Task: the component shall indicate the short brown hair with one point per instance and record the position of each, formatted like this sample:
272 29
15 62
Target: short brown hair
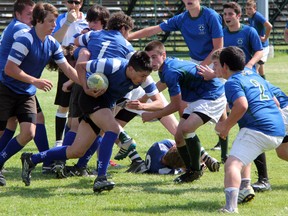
119 20
41 10
155 45
173 159
233 5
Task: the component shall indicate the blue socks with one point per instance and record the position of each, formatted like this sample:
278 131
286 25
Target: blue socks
53 154
5 138
11 149
105 152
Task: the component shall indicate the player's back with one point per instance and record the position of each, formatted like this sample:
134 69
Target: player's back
107 44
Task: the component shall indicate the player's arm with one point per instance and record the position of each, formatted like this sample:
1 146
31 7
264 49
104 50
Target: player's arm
173 106
256 58
268 26
69 71
156 104
217 44
13 70
60 34
239 108
146 32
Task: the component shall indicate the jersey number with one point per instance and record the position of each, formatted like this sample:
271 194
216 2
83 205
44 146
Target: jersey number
261 89
104 47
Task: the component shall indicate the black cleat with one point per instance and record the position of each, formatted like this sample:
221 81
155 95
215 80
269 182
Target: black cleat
188 176
137 167
101 184
27 167
261 185
2 179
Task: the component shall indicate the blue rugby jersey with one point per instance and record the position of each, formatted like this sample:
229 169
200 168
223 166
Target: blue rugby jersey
257 21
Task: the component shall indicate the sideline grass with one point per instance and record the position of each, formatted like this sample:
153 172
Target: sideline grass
139 194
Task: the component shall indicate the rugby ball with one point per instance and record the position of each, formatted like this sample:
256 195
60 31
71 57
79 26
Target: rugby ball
97 81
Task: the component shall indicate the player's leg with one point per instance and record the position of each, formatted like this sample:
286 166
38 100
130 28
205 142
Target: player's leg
9 132
262 183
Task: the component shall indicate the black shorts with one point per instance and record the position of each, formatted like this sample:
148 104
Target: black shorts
125 115
39 109
74 108
62 98
90 104
19 105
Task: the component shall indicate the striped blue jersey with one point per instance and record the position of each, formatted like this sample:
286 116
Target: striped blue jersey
106 44
119 83
74 28
154 156
197 32
10 33
257 21
262 115
32 55
181 77
246 38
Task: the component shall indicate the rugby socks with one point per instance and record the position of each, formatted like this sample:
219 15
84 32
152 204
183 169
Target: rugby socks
185 156
40 138
194 148
134 156
245 183
69 138
83 161
53 154
11 149
231 195
5 138
124 137
60 122
105 152
224 148
204 155
261 166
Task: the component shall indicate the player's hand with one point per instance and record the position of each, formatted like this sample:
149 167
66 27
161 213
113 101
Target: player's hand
206 72
72 16
43 84
67 86
221 130
94 92
134 104
147 116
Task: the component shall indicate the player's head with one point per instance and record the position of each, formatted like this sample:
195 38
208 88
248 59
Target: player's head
189 5
23 10
139 67
97 17
250 8
173 159
44 16
231 13
156 50
232 58
121 22
74 5
215 57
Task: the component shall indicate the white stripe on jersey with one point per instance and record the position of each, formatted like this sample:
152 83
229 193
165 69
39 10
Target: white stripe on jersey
20 48
116 65
20 33
101 65
16 61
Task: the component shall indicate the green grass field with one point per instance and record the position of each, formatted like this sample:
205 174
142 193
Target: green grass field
136 194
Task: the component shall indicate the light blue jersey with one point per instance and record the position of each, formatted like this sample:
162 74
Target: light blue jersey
9 35
262 115
154 156
119 84
257 21
197 32
74 28
106 44
246 38
32 55
181 77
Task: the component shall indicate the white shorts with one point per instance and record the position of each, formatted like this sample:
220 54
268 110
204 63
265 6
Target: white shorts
265 54
284 113
138 93
251 143
212 108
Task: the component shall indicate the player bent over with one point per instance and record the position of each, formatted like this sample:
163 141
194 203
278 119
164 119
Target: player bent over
123 76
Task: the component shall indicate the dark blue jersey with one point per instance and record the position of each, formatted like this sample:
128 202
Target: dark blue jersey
181 77
154 156
106 44
9 35
32 55
119 83
197 32
262 115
